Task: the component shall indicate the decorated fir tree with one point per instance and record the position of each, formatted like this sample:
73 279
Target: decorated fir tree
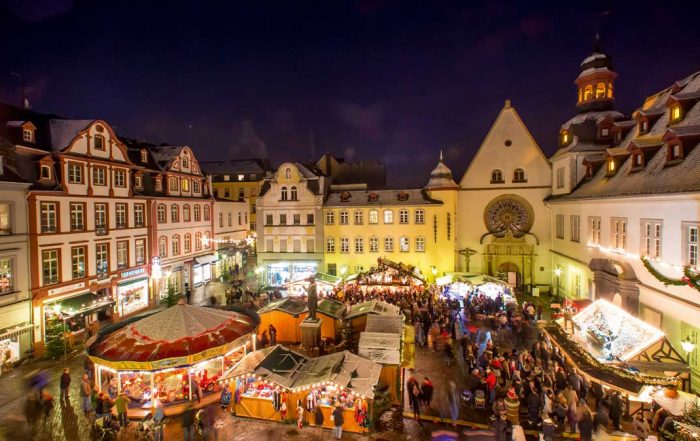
171 299
55 336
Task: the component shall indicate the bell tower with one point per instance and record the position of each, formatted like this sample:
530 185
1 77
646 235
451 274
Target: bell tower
595 82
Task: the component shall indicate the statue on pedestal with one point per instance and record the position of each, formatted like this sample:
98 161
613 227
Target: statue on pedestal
312 300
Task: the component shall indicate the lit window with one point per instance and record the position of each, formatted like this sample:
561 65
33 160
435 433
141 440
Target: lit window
675 151
28 135
610 90
330 217
122 254
587 92
604 132
49 267
611 166
600 91
594 227
241 177
48 217
564 137
619 234
144 156
692 240
388 217
638 160
176 245
675 113
420 216
185 185
644 126
227 178
373 216
140 251
403 244
187 243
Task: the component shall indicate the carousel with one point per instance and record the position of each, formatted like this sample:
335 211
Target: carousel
172 356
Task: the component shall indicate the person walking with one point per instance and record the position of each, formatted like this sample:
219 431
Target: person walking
264 340
616 407
337 417
121 404
188 417
85 394
64 385
300 415
225 398
318 421
585 421
273 335
414 398
640 427
427 389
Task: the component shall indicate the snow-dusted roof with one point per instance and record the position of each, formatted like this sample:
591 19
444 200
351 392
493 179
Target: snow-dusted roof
380 347
64 131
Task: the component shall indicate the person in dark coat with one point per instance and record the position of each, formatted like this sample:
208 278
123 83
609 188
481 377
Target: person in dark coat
64 385
616 407
427 389
534 403
598 393
264 340
601 417
500 428
585 422
318 421
273 335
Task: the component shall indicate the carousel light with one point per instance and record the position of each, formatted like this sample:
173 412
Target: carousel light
687 344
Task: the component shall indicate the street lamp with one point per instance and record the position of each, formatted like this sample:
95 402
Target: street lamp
687 345
557 272
434 270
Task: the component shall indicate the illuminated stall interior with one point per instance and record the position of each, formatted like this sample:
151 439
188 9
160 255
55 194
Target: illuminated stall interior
459 286
387 276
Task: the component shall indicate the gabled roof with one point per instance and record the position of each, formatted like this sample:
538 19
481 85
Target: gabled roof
363 198
164 156
63 131
233 166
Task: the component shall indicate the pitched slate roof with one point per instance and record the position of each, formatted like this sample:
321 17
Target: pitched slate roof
233 166
360 198
63 131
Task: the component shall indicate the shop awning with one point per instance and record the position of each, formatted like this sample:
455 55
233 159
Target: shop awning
15 331
82 304
205 260
676 402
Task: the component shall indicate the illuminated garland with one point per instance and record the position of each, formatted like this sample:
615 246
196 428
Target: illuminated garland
690 276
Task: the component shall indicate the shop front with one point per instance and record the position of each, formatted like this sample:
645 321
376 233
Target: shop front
13 342
132 296
171 276
461 286
202 269
280 273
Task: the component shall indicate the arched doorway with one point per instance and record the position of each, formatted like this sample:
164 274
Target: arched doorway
510 273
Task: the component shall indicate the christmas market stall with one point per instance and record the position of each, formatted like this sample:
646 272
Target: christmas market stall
461 285
383 342
261 383
172 355
358 313
387 276
287 314
341 379
619 351
325 284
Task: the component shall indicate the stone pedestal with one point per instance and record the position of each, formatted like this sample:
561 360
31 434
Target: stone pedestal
310 333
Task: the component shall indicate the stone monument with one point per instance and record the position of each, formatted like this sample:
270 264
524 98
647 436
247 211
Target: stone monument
311 325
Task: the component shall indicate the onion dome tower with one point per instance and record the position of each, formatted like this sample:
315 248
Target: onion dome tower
595 82
441 177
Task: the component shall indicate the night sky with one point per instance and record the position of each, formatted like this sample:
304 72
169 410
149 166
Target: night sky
395 81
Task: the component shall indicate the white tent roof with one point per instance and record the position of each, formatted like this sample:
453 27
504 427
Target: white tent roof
380 347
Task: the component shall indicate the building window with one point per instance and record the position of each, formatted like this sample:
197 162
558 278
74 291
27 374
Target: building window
619 234
102 260
77 216
692 240
330 217
359 245
600 90
420 216
373 217
75 173
288 173
643 126
309 219
99 142
139 210
160 214
675 152
138 182
560 226
403 216
206 213
119 178
594 228
163 246
28 135
638 159
284 195
120 215
185 184
268 219
373 244
294 195
241 194
344 217
344 245
195 186
77 255
230 219
99 176
420 244
49 267
175 245
186 213
519 175
651 238
388 217
197 216
403 244
221 220
122 254
296 217
496 176
144 156
48 217
159 184
587 92
185 161
560 177
5 219
330 245
45 171
140 251
604 132
675 113
359 217
575 228
283 219
389 244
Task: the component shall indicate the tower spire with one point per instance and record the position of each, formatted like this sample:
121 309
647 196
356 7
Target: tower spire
441 156
596 44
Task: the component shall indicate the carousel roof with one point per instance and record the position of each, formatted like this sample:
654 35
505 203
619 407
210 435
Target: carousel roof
179 331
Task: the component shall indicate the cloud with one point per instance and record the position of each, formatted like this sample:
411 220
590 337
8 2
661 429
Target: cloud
368 120
246 142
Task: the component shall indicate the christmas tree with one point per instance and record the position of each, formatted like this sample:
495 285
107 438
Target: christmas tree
171 299
55 339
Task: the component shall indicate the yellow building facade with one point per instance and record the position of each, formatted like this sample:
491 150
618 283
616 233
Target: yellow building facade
412 226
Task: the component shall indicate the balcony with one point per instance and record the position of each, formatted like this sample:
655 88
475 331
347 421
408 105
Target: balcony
102 275
101 230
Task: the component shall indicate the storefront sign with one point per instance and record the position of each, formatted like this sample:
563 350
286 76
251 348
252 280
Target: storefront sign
132 273
62 289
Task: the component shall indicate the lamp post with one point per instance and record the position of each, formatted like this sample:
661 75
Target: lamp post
688 346
343 271
557 272
434 270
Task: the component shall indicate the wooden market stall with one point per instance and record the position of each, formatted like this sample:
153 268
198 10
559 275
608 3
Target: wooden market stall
382 342
170 355
358 313
387 275
325 284
287 314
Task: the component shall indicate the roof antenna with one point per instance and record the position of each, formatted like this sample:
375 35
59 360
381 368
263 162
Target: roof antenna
24 99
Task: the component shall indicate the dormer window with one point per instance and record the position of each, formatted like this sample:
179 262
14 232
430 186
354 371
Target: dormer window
402 196
638 160
28 135
600 90
144 156
589 171
675 113
604 132
675 152
644 126
227 178
45 172
138 182
99 142
564 137
344 196
159 184
496 177
185 162
611 166
618 137
241 177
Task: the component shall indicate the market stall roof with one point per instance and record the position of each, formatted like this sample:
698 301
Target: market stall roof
332 308
289 305
630 335
177 333
388 324
470 279
372 307
344 369
380 347
323 278
387 266
277 364
676 402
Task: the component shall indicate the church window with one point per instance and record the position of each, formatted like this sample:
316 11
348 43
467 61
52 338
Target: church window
519 175
496 177
600 90
288 173
587 92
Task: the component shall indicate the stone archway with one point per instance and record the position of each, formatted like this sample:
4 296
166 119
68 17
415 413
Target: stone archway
511 273
616 282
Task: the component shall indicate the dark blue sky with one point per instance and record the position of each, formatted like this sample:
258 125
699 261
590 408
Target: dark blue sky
390 80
